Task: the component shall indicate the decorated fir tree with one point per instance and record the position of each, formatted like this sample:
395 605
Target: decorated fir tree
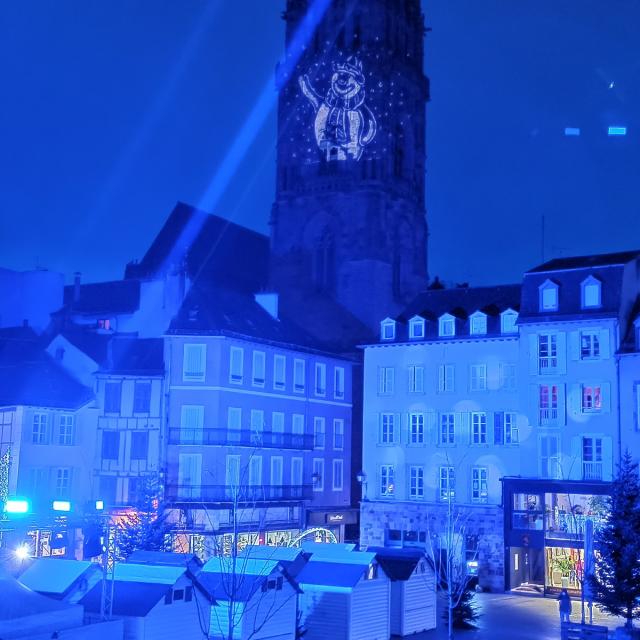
616 580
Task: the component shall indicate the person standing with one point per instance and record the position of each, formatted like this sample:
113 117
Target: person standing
564 604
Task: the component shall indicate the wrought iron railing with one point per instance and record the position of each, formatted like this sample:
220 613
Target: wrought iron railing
242 438
244 494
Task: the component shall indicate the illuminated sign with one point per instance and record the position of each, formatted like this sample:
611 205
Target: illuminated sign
344 125
61 505
335 517
16 505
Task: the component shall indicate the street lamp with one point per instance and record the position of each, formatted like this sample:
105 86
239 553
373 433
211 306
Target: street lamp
361 477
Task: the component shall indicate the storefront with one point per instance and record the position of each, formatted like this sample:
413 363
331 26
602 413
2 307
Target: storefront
544 532
339 522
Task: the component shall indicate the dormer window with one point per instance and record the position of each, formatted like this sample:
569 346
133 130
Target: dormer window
591 293
416 328
478 324
508 320
446 326
548 296
387 329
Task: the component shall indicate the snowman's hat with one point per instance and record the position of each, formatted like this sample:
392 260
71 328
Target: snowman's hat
352 66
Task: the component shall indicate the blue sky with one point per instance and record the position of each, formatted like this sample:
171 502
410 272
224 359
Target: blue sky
113 111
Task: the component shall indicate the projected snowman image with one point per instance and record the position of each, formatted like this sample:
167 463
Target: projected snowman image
344 125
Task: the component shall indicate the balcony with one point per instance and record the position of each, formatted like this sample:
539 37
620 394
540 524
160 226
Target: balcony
592 470
547 364
548 416
242 438
212 493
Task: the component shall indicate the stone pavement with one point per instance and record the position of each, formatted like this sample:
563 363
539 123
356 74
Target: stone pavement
515 617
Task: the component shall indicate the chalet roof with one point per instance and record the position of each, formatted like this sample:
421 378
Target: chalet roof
30 376
165 558
55 576
216 577
208 246
398 564
579 262
129 598
96 298
331 573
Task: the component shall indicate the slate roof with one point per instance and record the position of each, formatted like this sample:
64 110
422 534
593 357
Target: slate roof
398 564
134 356
108 298
30 376
582 262
129 598
214 310
460 302
209 246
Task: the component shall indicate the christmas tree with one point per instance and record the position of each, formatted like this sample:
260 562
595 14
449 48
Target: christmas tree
616 580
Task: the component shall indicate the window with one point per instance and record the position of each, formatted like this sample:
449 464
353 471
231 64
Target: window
40 433
447 483
416 379
338 434
478 377
478 324
416 328
508 376
234 421
338 383
112 395
479 491
548 403
416 428
194 362
236 365
276 476
548 296
591 293
258 372
338 471
321 379
447 429
505 429
277 422
63 482
139 445
191 423
478 428
508 321
256 422
416 482
589 345
318 433
110 445
141 397
387 329
66 435
386 379
445 378
547 352
446 326
232 476
549 457
387 480
297 423
591 458
387 428
296 474
188 594
279 371
255 471
298 375
591 399
318 474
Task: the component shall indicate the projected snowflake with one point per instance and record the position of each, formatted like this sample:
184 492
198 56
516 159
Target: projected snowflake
344 125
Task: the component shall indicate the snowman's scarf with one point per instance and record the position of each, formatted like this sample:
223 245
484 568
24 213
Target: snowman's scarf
337 125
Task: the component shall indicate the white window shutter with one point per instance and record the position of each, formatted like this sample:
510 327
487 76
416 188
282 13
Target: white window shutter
574 400
562 404
462 427
533 353
397 431
562 352
572 469
605 347
431 425
574 345
605 396
534 403
607 458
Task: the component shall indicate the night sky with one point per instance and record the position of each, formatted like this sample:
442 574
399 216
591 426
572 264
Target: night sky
113 111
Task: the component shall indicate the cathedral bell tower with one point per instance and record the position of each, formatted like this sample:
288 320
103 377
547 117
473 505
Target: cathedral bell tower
348 220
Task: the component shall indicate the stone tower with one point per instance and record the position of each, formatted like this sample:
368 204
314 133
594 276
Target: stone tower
348 220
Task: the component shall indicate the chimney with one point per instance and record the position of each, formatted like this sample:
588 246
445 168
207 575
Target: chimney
76 286
269 302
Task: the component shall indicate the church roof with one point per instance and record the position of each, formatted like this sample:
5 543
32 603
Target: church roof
207 246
